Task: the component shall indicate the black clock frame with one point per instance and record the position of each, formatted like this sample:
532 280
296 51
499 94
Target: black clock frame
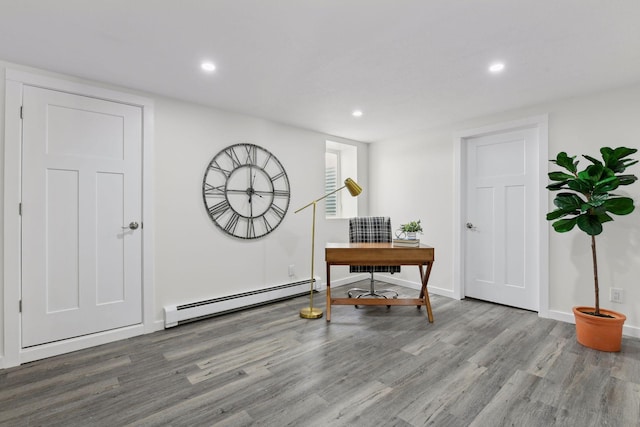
223 191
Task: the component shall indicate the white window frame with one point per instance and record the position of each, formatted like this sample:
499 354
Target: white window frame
346 206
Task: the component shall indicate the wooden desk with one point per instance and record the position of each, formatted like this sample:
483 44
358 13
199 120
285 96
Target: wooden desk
379 254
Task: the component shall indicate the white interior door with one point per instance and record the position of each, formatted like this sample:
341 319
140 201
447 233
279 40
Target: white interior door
500 229
81 186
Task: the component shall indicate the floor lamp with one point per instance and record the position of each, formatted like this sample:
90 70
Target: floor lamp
354 189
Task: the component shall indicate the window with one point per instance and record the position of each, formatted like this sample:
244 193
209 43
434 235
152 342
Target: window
340 163
331 177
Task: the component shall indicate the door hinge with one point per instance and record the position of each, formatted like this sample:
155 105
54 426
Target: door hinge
21 111
20 209
20 306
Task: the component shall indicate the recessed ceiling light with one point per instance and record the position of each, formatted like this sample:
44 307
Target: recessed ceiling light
357 113
496 67
208 66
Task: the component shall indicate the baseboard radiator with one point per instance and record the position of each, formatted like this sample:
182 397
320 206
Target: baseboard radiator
177 314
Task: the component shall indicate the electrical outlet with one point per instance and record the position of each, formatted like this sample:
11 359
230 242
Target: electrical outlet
292 270
616 295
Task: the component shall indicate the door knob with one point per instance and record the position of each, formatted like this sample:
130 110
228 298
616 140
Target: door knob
132 226
469 226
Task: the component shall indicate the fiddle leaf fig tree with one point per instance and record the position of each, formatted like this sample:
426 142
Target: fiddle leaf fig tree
586 197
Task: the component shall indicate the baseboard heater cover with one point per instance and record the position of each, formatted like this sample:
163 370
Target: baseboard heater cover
184 313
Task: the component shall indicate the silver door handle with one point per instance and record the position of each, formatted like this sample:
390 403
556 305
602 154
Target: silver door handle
132 226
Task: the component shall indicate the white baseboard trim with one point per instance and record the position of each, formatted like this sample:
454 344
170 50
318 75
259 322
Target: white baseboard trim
79 343
342 282
563 316
158 325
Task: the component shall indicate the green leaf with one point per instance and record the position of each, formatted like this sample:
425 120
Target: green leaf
592 160
607 184
622 152
604 218
559 176
619 205
557 186
589 224
563 160
629 162
593 173
564 225
580 185
615 159
598 199
559 213
627 179
568 201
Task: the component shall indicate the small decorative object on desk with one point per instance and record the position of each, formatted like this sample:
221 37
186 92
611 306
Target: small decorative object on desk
409 231
410 243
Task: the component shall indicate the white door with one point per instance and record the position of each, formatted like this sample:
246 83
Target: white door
81 188
500 229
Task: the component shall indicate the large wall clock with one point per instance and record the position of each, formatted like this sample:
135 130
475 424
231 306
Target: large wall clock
246 191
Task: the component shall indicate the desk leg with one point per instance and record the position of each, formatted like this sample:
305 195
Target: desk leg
424 292
328 292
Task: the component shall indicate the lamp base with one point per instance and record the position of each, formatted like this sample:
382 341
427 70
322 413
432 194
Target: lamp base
310 313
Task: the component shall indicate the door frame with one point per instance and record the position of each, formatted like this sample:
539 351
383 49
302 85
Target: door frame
14 354
541 204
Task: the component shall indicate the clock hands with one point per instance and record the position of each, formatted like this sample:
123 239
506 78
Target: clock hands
250 190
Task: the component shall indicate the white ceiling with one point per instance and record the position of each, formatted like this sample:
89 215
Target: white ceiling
407 64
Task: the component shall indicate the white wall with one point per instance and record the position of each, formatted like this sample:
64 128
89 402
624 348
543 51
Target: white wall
419 185
193 258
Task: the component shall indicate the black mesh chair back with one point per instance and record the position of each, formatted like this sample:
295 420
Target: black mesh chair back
371 229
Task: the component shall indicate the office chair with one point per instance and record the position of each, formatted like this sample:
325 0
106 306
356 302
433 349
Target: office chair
372 229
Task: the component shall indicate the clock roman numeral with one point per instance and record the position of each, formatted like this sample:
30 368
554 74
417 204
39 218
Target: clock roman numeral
252 155
277 210
218 209
233 156
266 162
216 167
280 193
275 177
232 223
251 228
267 226
210 190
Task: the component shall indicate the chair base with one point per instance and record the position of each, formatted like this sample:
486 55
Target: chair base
368 293
372 292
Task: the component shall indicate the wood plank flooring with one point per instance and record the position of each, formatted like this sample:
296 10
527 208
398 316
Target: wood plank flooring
479 364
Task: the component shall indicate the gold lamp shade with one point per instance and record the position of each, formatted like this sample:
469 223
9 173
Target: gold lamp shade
353 187
354 190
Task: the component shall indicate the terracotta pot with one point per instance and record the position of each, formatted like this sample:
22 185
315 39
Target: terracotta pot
599 333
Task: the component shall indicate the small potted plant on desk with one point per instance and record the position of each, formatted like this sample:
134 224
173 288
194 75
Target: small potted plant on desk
586 200
411 229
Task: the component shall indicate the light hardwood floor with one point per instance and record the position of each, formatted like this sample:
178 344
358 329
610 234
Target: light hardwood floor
479 364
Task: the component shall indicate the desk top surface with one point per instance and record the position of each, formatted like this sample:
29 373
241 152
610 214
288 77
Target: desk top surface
377 254
331 246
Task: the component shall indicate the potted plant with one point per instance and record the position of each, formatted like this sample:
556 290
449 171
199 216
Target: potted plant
411 228
586 200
